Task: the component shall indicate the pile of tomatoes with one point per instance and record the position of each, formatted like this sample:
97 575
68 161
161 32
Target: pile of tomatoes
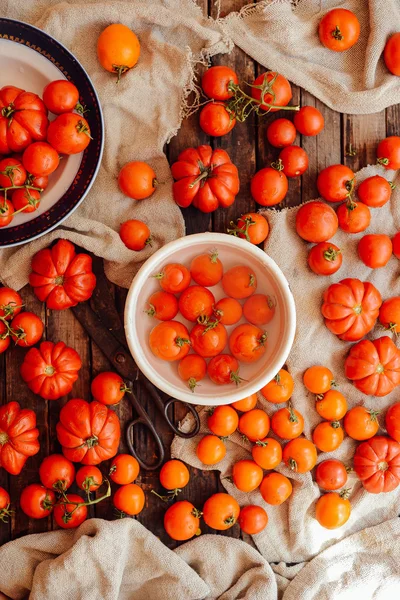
33 145
24 328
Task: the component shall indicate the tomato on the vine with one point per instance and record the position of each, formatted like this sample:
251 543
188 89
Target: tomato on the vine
269 186
60 96
280 388
36 501
331 474
69 133
40 159
335 183
5 339
124 469
294 160
215 120
251 226
247 475
375 250
221 511
89 478
26 200
215 82
278 91
162 305
252 519
137 180
135 234
247 343
169 340
174 278
6 211
239 282
12 172
309 121
192 369
210 450
4 505
57 472
281 133
11 303
206 269
339 29
325 258
108 388
71 514
27 329
316 222
196 303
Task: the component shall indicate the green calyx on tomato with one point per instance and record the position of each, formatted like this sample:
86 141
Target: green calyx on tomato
67 516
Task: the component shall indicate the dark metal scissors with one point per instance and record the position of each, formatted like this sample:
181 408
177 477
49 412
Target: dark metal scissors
112 343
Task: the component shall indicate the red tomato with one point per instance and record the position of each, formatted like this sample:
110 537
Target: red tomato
60 96
208 340
206 269
108 388
11 172
389 314
215 120
72 514
223 369
281 133
392 421
259 309
26 200
247 343
23 119
228 311
129 499
192 369
252 519
28 329
162 305
5 339
124 469
170 340
375 250
331 474
196 302
273 91
4 505
339 29
174 278
396 245
36 501
335 183
251 226
137 180
89 478
57 472
294 160
40 181
353 217
316 222
269 186
325 258
391 54
215 82
135 234
374 191
6 211
10 303
69 133
309 121
40 159
388 152
239 282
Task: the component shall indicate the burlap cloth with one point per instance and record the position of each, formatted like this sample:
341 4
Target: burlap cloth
147 107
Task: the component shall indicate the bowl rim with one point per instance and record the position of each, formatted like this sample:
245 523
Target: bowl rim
149 266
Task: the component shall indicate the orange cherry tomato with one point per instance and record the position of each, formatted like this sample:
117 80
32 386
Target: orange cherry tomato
281 133
335 183
325 258
287 423
254 424
374 191
69 133
318 380
118 49
259 309
239 282
174 278
276 93
331 474
389 314
388 152
137 180
135 234
124 469
129 499
328 436
196 302
206 269
228 311
280 388
339 29
169 340
192 369
375 250
267 453
246 404
275 488
252 519
331 406
12 171
221 511
26 200
247 343
223 421
61 96
162 305
89 478
224 369
391 54
174 476
182 521
247 475
294 160
215 82
251 226
353 217
215 120
40 159
108 388
269 186
360 423
208 340
300 455
210 450
309 121
332 510
316 222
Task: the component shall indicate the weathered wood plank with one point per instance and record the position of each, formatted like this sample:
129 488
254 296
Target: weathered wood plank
5 528
361 133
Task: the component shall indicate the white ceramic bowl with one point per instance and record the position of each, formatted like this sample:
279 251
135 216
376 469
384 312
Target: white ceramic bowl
232 251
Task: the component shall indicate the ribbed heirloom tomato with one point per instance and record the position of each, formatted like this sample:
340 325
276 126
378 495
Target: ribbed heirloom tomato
118 49
216 120
210 450
208 340
391 54
27 329
169 340
215 82
267 453
196 302
137 180
361 423
206 269
388 152
325 258
309 121
192 369
280 388
173 278
333 510
328 436
259 309
254 424
269 186
61 96
162 305
272 90
108 388
246 404
247 475
18 437
69 133
374 191
57 472
331 474
316 222
375 250
353 217
374 367
300 455
221 511
318 379
335 183
23 119
223 421
124 469
247 343
228 311
251 226
252 519
182 521
294 160
89 478
11 303
281 133
135 234
287 423
224 369
339 29
239 282
332 406
389 314
377 464
275 488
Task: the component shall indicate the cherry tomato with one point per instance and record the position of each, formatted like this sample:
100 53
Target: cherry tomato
246 404
254 424
12 172
174 475
5 339
26 200
4 505
247 475
389 314
251 226
300 455
223 421
28 329
170 340
331 474
192 369
391 54
108 388
40 159
353 217
210 450
182 521
57 472
325 258
269 186
247 343
135 234
215 120
196 303
267 453
316 222
221 511
118 49
36 501
60 96
206 269
69 133
388 152
328 436
335 183
89 478
252 519
129 499
294 160
318 379
228 311
287 423
124 469
259 309
275 488
137 180
396 245
10 303
162 305
280 388
174 278
6 211
309 121
215 82
374 191
332 510
360 423
239 282
208 340
375 250
339 29
224 369
276 93
332 406
73 514
281 133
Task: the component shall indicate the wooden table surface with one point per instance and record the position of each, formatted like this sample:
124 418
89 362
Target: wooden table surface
249 151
